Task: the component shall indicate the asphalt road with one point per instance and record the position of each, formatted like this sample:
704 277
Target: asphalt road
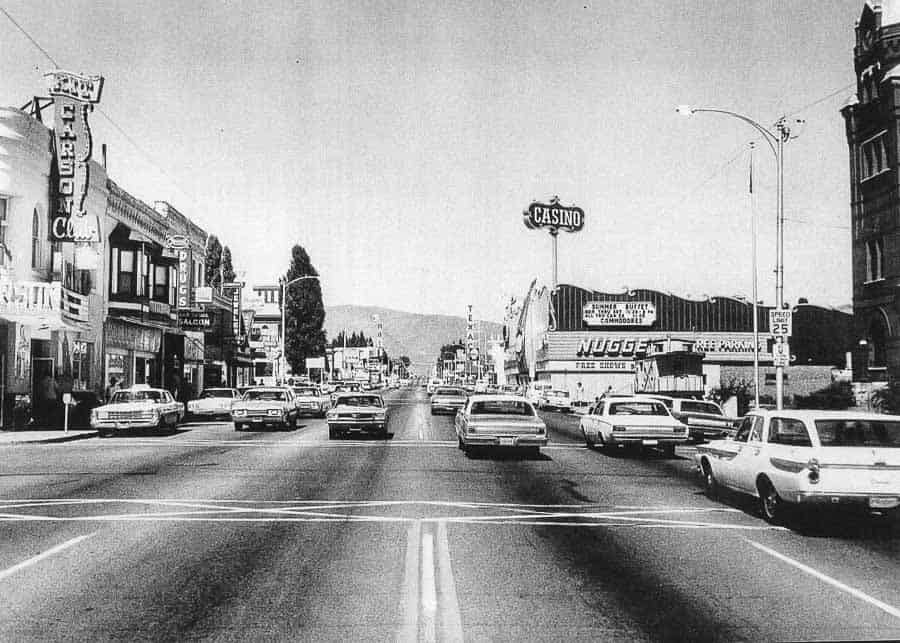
215 534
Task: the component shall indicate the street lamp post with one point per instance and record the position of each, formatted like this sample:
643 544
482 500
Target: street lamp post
776 141
282 365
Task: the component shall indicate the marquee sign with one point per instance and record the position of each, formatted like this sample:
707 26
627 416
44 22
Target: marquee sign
190 319
619 313
553 216
74 97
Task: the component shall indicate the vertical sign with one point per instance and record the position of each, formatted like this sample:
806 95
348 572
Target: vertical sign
182 247
74 97
470 332
235 287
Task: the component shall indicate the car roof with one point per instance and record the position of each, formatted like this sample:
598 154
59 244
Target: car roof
267 388
142 387
498 397
813 414
631 398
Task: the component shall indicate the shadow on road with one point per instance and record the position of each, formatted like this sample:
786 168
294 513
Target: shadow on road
505 453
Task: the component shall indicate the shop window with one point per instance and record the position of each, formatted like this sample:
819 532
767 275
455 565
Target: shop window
875 259
35 240
172 289
161 283
81 365
873 156
56 260
125 276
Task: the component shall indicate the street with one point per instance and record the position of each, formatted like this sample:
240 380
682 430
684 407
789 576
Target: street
215 534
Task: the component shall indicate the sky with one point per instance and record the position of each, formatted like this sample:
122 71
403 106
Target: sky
399 142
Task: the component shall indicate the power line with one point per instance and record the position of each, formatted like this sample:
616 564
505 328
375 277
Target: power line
821 100
28 35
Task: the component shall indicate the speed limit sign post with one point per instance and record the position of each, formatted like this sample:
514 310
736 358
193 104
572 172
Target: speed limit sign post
780 323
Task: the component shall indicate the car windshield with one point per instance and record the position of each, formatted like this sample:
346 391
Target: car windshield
858 433
122 397
216 392
502 407
306 392
261 394
689 406
360 400
638 408
454 392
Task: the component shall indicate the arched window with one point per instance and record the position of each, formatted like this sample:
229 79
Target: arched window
877 341
35 240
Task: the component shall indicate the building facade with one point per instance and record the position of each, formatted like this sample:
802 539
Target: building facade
592 341
872 120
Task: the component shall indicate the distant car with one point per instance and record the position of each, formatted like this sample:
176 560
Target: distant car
788 459
357 413
311 400
139 407
536 390
345 387
447 399
499 420
705 419
632 421
433 384
213 402
263 406
555 399
481 387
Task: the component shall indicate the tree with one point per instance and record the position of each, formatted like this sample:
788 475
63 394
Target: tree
228 274
741 389
304 312
837 395
887 399
213 261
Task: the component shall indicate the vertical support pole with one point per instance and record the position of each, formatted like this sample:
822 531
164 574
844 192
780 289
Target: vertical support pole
753 234
779 268
554 235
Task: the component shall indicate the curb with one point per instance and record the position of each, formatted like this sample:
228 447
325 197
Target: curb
61 438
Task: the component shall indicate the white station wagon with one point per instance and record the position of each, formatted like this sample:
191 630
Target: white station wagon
791 458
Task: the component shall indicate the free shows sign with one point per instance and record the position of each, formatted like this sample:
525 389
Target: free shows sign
554 216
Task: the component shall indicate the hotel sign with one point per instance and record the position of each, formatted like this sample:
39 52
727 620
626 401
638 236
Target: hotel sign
554 216
619 313
74 97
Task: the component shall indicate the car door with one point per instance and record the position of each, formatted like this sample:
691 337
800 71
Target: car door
725 451
750 459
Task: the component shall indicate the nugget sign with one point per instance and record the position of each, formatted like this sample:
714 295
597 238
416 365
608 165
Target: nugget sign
554 216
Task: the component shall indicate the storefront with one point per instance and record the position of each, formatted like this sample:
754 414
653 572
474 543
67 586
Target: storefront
132 353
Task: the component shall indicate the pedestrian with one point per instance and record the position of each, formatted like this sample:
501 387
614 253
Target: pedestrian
113 385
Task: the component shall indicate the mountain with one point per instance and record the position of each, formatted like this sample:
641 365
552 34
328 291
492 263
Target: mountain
417 336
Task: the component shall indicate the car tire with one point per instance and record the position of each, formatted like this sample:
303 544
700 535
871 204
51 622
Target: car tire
332 434
771 506
459 443
668 450
106 432
710 484
238 427
587 440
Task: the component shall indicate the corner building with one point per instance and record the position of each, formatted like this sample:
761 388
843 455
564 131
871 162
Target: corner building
872 120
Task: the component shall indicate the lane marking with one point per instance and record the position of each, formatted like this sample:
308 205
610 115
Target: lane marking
450 619
409 593
428 589
42 556
893 611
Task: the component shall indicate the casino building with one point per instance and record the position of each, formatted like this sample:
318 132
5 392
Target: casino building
599 339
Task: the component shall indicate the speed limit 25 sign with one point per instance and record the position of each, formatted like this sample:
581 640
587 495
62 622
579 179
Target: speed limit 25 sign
780 323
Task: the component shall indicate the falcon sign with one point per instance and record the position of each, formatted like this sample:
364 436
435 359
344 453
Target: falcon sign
554 216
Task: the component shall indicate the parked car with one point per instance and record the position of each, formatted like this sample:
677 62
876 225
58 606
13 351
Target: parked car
433 384
311 400
138 407
447 399
788 459
634 422
536 390
705 419
213 402
499 420
263 406
555 399
357 413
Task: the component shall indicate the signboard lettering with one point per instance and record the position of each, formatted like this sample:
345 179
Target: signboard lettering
193 319
554 216
619 313
780 322
74 97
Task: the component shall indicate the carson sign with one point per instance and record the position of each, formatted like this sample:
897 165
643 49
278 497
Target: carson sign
554 216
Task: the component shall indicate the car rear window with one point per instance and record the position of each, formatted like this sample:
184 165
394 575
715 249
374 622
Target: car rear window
502 407
450 391
638 408
858 433
559 393
264 395
359 400
216 392
700 407
306 392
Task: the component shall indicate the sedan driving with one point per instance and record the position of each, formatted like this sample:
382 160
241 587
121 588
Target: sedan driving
447 399
357 413
637 422
500 421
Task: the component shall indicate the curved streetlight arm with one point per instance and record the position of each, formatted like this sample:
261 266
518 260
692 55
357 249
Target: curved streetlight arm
770 137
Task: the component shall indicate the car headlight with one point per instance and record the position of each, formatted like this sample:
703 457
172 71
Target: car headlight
239 412
274 412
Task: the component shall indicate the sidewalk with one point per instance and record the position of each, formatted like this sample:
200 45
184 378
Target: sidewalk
36 436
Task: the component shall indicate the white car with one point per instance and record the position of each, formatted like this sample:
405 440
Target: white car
311 400
557 400
357 413
794 458
139 407
213 402
632 421
536 390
